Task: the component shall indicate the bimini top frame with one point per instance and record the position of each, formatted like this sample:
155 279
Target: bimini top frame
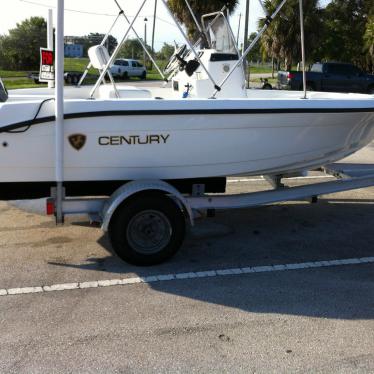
203 33
139 39
131 28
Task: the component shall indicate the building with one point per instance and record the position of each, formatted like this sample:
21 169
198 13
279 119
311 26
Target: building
73 50
73 47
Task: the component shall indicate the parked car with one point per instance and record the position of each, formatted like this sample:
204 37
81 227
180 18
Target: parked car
329 76
127 68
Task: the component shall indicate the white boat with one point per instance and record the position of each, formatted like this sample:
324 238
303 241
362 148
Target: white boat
183 132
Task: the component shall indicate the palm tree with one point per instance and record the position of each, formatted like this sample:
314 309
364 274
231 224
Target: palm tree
281 41
179 8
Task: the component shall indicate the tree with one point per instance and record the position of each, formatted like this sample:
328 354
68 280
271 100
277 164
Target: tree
369 43
345 25
166 52
179 8
282 39
20 50
93 39
133 49
3 57
255 53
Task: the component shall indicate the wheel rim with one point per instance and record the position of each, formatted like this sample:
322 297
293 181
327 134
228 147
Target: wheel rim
149 232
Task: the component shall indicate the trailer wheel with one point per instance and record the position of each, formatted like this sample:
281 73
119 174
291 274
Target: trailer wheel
147 230
267 86
74 80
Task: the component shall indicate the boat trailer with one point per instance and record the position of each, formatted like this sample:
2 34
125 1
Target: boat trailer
146 219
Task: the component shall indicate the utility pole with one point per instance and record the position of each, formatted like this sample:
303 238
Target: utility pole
145 39
237 37
246 27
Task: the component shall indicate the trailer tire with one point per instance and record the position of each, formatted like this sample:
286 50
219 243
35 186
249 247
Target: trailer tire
74 80
147 230
267 86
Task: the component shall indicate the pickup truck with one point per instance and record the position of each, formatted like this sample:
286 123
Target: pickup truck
329 76
127 68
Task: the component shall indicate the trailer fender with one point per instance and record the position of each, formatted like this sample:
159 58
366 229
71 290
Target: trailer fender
134 187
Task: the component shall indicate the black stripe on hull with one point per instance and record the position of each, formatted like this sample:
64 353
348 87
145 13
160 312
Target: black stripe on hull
36 190
125 113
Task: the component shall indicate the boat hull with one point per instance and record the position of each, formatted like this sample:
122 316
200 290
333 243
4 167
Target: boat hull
138 142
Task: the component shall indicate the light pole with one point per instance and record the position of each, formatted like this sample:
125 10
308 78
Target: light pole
154 28
145 39
246 71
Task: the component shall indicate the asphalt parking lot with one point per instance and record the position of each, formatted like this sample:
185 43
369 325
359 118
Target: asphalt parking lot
231 301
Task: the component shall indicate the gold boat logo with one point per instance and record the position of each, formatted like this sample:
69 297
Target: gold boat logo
77 141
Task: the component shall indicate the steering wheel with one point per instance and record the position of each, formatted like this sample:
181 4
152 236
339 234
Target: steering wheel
176 59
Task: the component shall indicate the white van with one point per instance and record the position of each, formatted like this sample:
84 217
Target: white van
127 68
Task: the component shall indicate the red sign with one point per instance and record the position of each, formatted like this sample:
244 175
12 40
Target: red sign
47 70
47 57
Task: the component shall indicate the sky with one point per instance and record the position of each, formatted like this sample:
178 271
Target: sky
78 23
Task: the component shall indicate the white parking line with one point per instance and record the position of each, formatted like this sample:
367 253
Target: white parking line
183 276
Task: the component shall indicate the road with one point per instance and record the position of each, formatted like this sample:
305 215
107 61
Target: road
192 314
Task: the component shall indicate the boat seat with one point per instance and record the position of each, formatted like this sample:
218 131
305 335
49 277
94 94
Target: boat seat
125 92
99 56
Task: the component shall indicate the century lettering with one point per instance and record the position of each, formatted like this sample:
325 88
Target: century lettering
133 139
